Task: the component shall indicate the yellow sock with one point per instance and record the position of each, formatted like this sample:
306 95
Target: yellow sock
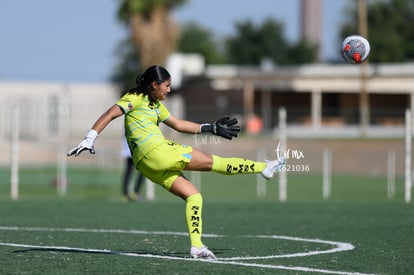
193 210
233 166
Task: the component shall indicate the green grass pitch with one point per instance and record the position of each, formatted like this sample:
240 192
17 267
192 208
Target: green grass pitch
90 231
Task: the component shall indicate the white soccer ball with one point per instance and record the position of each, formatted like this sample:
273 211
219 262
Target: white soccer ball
355 49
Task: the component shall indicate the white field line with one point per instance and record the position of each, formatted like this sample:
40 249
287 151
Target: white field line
340 246
130 254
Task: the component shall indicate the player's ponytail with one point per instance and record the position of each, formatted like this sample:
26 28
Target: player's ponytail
139 88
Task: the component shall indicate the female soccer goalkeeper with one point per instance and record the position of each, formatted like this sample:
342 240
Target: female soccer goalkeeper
161 160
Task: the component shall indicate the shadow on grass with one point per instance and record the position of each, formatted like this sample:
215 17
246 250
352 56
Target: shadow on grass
149 254
103 251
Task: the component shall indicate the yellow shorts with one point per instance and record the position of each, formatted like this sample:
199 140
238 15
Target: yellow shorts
164 164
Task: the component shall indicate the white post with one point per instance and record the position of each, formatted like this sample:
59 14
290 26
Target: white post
391 174
261 186
150 189
316 109
61 171
408 134
62 111
14 175
3 120
282 140
196 179
327 174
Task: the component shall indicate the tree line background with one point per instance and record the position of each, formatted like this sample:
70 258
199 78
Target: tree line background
154 35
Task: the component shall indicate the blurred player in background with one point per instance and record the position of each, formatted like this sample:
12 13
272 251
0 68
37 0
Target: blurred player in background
161 160
128 172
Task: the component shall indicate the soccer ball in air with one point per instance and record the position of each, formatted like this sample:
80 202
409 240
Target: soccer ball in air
355 49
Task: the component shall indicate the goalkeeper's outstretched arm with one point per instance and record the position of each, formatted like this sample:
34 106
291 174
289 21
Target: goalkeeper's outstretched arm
97 128
225 127
183 126
110 114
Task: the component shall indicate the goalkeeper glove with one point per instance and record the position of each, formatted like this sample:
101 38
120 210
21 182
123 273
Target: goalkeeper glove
86 144
225 127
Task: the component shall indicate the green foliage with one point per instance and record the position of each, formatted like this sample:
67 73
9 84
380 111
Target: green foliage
196 39
139 50
252 44
302 52
390 31
129 7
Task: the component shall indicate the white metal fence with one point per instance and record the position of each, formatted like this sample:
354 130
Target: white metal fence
54 117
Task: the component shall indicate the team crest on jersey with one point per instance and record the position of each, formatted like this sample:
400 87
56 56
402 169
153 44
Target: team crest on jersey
130 106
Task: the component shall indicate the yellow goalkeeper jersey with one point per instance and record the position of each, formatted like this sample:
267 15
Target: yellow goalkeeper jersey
142 119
